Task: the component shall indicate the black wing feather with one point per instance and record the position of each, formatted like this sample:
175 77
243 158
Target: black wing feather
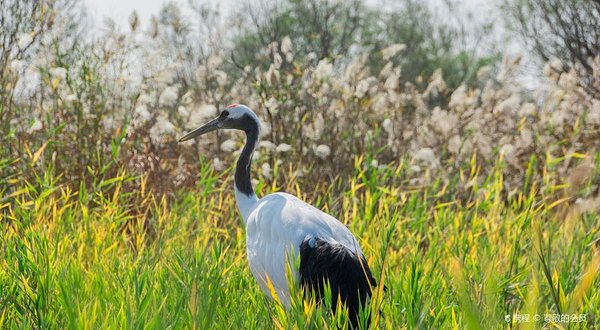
349 278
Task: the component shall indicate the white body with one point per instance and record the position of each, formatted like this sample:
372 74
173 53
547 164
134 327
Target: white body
276 225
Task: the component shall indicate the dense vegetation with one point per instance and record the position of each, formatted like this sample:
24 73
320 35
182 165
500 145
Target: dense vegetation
446 263
473 199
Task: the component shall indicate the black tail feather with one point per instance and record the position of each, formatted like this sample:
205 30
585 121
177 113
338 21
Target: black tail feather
348 276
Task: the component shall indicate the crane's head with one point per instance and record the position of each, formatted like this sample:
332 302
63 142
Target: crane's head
235 116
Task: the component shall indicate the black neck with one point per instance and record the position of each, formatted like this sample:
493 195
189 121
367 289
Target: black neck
244 163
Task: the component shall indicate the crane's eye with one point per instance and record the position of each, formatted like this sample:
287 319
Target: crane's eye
224 115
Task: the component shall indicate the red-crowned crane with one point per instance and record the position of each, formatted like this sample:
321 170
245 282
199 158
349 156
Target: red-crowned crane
280 223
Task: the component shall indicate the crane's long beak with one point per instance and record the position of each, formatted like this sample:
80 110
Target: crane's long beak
209 127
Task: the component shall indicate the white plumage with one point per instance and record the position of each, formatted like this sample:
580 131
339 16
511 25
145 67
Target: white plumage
276 226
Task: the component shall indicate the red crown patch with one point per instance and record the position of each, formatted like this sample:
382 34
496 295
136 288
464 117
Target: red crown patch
232 105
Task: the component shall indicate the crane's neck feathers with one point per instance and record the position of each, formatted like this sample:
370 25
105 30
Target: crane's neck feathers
244 194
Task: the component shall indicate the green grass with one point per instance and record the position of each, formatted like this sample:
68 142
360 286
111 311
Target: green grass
106 258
